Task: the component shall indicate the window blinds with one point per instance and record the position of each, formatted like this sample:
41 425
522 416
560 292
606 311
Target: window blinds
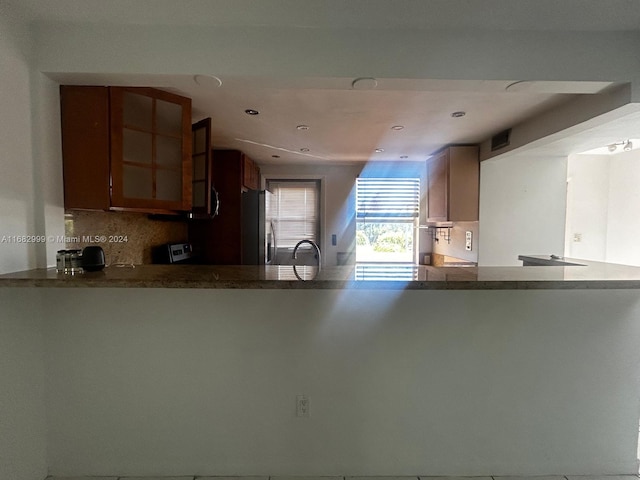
387 198
296 211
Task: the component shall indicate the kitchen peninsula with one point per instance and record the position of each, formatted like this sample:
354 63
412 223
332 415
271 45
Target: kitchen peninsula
460 371
550 274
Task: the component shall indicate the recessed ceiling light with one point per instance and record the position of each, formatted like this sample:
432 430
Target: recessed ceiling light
251 111
404 156
628 146
612 147
302 127
304 149
397 127
275 156
458 114
379 150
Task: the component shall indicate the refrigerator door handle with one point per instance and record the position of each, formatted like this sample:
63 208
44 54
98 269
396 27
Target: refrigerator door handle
215 202
275 242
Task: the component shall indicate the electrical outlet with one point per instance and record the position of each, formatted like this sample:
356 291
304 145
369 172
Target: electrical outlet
302 406
577 237
469 238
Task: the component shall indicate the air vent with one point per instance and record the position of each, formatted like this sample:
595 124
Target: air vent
500 140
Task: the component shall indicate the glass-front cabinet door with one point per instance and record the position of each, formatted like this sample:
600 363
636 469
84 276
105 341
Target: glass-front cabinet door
151 165
201 157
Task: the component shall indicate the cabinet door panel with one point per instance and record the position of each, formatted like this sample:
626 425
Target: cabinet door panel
464 173
201 141
137 182
199 167
85 146
250 175
168 152
137 146
199 195
168 118
437 196
201 160
168 186
137 111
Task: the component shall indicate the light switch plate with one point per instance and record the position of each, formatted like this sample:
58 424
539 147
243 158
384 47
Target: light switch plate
469 238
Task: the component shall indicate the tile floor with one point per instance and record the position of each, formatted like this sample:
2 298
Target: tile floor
196 477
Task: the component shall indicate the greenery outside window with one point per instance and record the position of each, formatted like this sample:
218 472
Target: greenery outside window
387 211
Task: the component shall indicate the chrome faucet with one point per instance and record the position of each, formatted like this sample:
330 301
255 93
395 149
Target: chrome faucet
314 245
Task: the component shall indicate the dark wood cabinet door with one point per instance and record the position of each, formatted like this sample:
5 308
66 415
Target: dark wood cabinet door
438 188
85 146
201 161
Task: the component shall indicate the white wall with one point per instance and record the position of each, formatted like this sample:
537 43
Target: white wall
399 382
31 197
587 207
603 207
23 454
623 226
47 167
522 208
16 164
22 408
311 52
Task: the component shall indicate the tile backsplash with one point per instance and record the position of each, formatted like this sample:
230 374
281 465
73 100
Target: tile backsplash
126 237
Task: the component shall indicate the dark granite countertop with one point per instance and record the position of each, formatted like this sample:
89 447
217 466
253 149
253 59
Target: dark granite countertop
591 275
552 261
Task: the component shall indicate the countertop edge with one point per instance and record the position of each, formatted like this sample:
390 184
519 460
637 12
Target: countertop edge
332 284
592 276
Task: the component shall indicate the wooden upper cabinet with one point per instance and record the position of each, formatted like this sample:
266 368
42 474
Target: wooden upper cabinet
453 185
438 188
85 147
126 148
250 173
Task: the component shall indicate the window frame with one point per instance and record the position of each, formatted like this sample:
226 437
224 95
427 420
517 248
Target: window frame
321 179
410 217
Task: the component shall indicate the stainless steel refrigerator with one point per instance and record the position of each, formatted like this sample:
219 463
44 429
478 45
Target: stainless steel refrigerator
259 239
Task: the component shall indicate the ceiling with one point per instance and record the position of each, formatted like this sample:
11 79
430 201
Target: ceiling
583 15
346 122
330 121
